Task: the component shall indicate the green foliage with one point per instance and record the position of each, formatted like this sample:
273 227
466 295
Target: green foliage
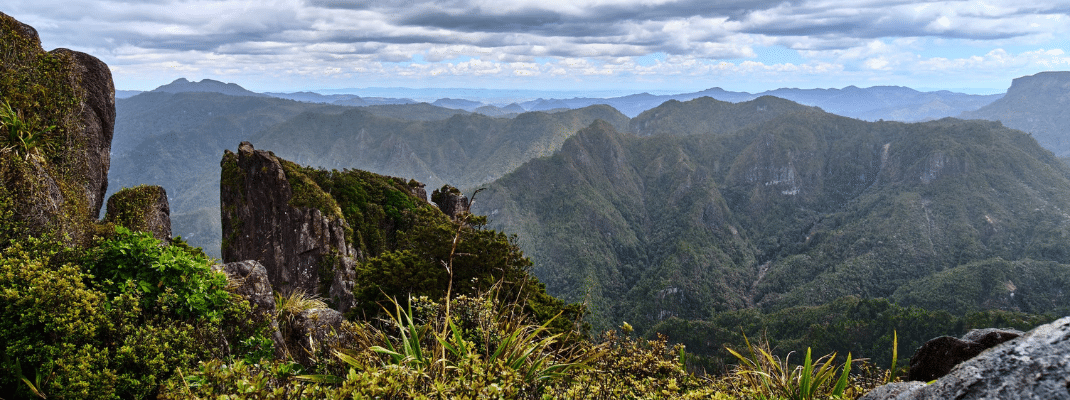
93 344
38 91
479 258
136 260
240 379
778 378
23 138
376 207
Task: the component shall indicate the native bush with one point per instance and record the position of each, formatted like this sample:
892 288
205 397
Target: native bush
137 257
73 335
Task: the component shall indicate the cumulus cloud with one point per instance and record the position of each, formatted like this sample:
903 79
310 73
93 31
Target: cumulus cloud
539 39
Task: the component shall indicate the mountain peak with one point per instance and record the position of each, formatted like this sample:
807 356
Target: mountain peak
183 85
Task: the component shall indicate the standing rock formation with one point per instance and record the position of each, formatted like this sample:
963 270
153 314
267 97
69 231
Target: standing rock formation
66 101
143 208
450 200
302 247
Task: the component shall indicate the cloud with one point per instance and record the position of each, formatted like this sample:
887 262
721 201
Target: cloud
541 38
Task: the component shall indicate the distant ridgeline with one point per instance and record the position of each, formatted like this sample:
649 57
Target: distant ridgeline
767 204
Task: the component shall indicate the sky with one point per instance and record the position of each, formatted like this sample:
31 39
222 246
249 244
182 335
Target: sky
656 46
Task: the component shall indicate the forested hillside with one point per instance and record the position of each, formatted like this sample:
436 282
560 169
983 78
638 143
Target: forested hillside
800 209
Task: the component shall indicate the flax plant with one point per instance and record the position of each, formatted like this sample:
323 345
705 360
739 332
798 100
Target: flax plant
777 378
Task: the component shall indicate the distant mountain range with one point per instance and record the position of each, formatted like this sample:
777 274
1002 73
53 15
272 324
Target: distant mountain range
892 103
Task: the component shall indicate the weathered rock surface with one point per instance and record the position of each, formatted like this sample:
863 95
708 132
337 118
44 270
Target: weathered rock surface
250 280
52 199
143 208
891 390
313 330
98 122
1033 366
300 247
937 357
450 200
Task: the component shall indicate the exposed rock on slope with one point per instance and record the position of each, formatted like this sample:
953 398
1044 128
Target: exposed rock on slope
302 247
450 200
66 101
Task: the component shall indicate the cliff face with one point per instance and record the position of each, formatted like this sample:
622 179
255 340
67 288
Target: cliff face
1036 104
302 247
59 115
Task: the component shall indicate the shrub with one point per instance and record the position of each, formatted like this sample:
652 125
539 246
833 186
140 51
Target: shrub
139 258
74 336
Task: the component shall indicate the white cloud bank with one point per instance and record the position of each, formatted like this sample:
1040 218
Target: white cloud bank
548 44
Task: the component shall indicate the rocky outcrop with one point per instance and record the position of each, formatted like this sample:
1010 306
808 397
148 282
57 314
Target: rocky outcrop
301 247
67 99
143 208
1033 366
313 331
937 357
450 200
250 281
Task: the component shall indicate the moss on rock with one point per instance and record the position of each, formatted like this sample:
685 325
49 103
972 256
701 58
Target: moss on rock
55 139
141 208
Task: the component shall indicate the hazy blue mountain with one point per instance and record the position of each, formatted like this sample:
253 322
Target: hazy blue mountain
181 85
493 111
893 103
125 94
413 111
461 104
312 97
174 140
372 101
799 209
1037 104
